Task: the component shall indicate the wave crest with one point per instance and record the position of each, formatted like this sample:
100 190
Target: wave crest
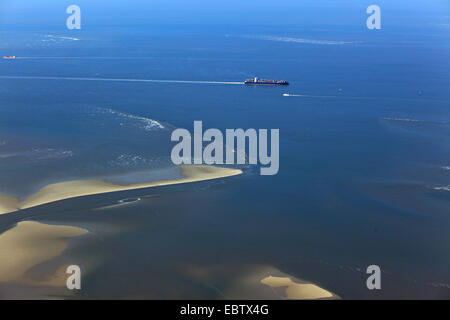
442 188
40 154
53 38
400 119
302 40
147 123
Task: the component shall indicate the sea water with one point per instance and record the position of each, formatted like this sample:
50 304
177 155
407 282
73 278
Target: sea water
364 148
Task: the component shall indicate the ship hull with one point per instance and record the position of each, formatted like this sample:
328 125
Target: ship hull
266 83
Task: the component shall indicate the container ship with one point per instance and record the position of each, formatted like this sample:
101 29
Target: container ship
256 81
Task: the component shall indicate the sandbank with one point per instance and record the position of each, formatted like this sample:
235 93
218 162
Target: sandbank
8 204
294 290
29 244
79 188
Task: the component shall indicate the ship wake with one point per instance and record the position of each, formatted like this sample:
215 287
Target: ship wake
120 80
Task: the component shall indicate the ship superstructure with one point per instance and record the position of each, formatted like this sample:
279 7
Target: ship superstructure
256 81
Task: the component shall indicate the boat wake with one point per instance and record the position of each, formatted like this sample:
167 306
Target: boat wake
371 98
120 80
415 121
306 96
53 38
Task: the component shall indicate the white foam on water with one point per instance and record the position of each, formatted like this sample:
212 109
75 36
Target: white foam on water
51 37
301 40
129 160
442 188
40 154
401 119
148 124
439 285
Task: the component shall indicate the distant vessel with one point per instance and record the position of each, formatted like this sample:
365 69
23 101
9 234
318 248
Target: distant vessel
256 81
9 57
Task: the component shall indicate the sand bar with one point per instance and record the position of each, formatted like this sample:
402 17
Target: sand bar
234 280
299 291
79 188
8 204
29 244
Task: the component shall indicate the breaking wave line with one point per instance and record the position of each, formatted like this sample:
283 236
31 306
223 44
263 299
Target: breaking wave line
302 40
442 188
148 123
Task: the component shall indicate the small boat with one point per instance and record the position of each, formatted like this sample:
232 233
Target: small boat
9 57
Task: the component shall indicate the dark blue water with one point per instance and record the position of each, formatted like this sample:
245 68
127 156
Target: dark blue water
364 155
